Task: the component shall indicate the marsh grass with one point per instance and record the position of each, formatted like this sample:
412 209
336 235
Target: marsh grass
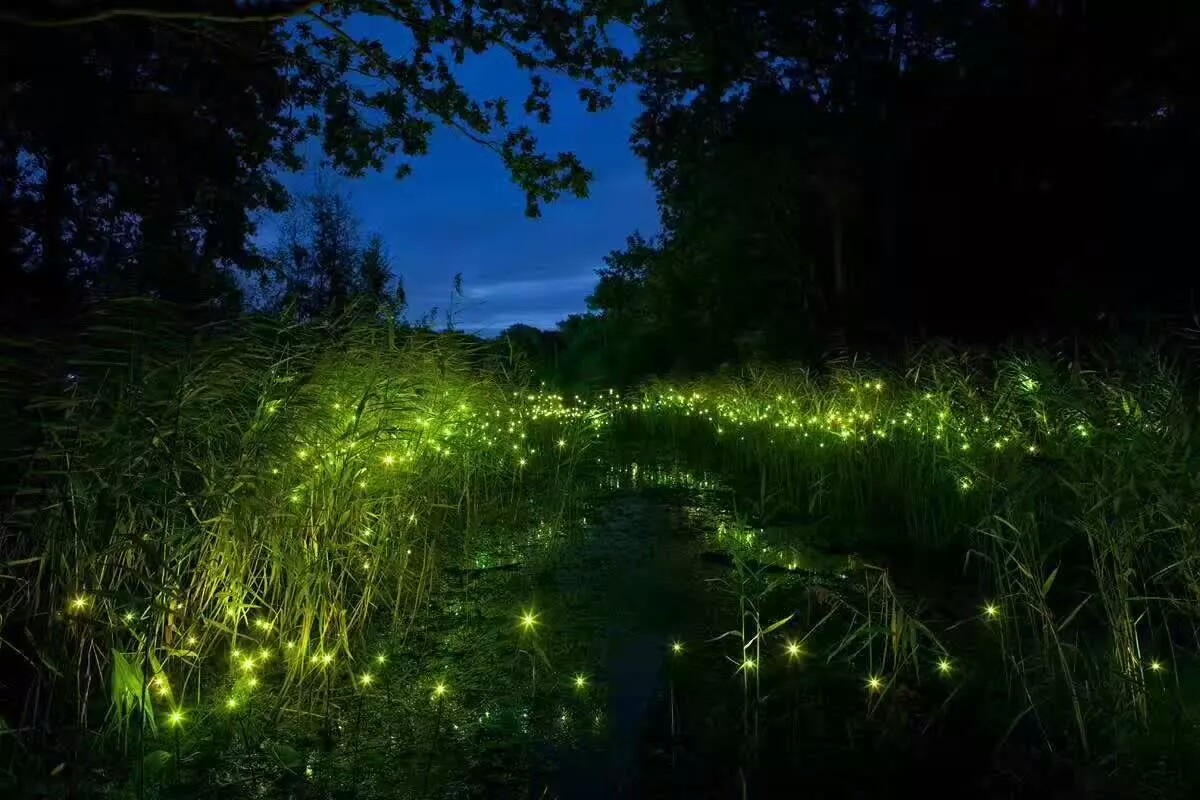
242 499
1067 496
219 516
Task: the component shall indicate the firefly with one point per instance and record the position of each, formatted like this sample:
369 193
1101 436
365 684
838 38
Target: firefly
439 689
944 666
991 610
793 650
580 681
1156 666
677 647
874 683
175 718
529 620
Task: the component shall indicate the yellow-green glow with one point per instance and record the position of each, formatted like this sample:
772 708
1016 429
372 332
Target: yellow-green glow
389 460
794 650
252 682
875 683
749 664
365 679
581 681
677 647
176 718
80 602
529 620
381 659
1156 666
192 640
944 666
991 610
439 690
231 703
247 664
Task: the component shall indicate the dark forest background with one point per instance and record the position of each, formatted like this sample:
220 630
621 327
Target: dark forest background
833 176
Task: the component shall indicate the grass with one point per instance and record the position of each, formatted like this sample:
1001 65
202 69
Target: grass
218 520
1062 499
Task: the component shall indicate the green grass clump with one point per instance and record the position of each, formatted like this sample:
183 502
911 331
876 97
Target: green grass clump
253 495
1065 500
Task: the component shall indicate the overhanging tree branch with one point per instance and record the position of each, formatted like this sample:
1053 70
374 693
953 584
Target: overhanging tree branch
234 13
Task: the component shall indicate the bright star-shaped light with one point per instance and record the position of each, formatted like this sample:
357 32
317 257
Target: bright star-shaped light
580 681
991 610
875 683
794 650
529 620
175 718
676 647
944 666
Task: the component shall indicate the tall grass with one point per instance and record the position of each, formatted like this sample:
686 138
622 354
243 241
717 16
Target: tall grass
1063 499
198 508
254 492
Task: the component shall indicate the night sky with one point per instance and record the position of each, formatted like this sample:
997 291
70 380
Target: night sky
458 212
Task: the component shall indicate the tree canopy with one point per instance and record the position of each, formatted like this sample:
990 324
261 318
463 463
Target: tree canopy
836 172
141 141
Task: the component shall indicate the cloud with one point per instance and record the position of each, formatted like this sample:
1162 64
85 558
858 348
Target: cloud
574 286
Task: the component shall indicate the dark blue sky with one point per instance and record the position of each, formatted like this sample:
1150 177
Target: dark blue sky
458 212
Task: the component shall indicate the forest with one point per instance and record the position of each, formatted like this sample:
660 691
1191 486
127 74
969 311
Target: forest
872 470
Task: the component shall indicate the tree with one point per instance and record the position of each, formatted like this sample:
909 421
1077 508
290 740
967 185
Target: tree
849 171
323 267
139 140
130 164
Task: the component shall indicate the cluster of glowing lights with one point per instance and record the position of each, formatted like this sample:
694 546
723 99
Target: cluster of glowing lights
857 413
